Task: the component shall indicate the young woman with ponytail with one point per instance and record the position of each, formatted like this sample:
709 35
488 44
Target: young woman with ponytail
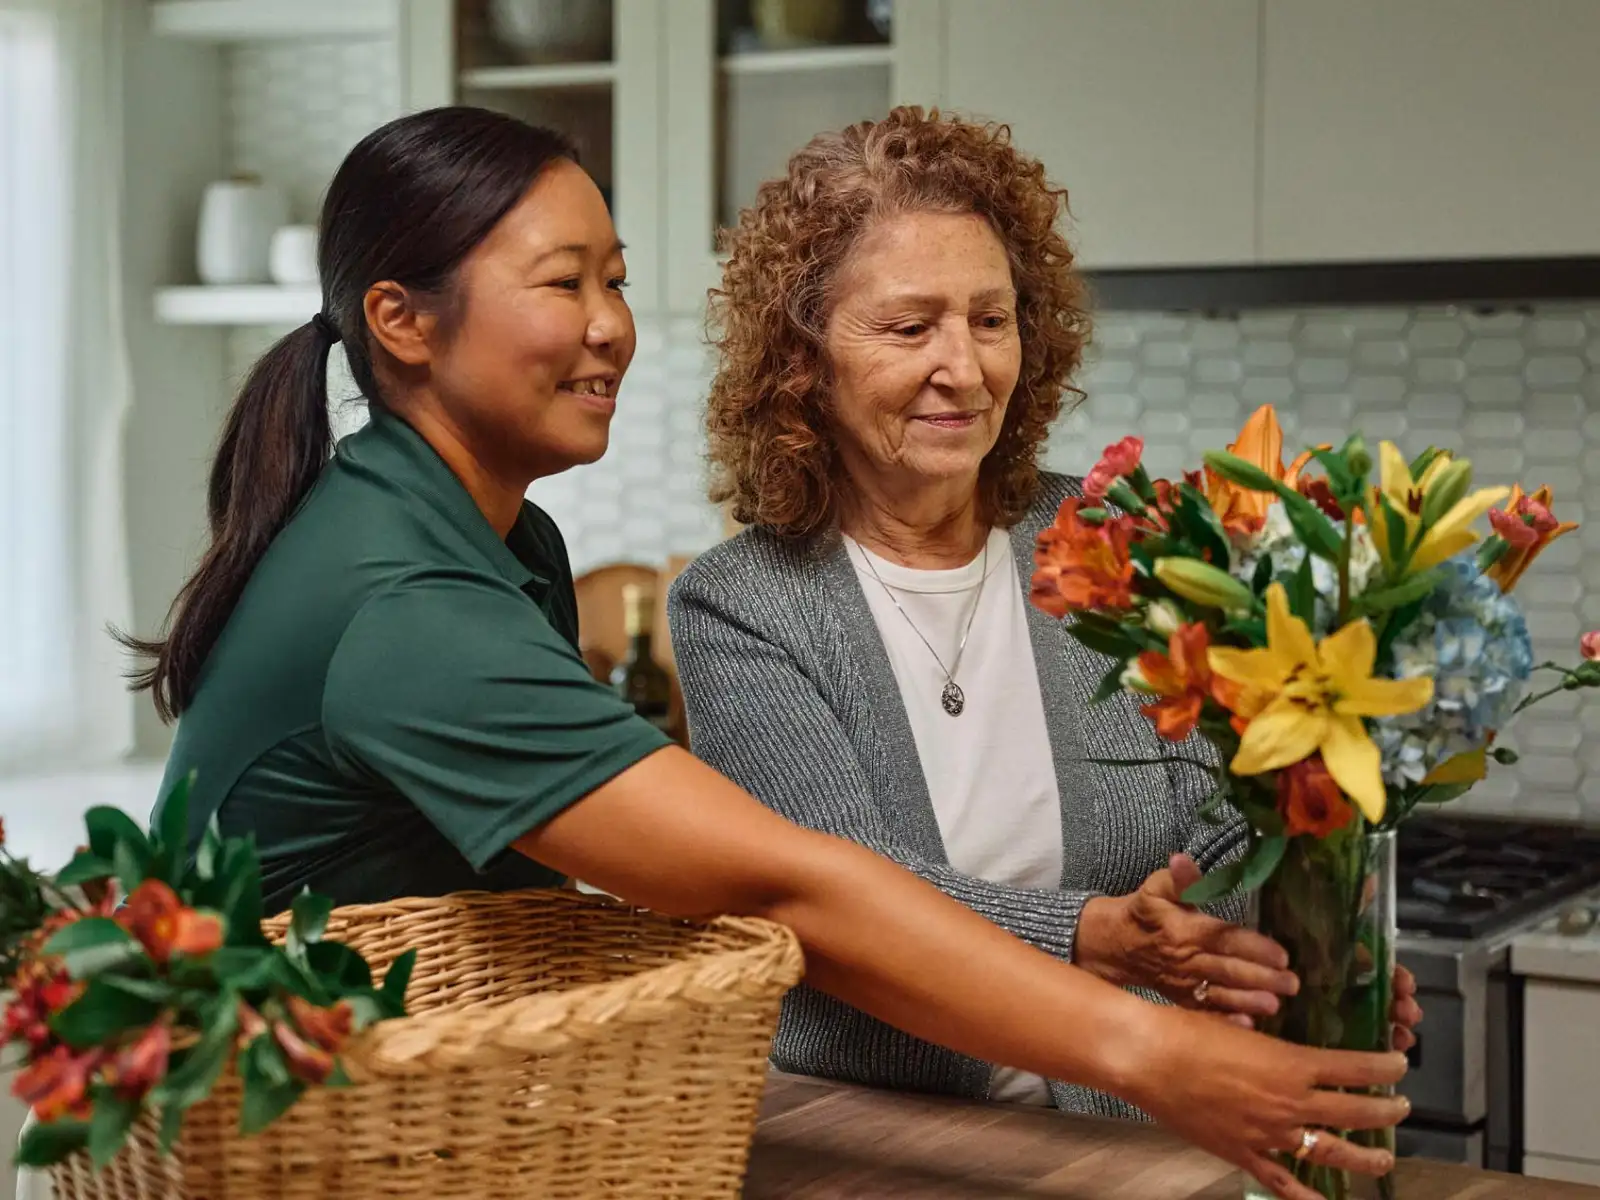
374 667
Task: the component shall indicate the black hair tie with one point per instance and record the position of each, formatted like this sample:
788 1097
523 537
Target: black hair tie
326 328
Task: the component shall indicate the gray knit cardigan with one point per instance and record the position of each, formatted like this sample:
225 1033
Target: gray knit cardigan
790 693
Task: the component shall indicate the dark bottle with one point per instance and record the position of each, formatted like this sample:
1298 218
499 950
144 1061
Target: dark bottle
638 678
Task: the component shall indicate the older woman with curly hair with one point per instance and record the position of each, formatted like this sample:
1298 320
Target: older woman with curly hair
898 323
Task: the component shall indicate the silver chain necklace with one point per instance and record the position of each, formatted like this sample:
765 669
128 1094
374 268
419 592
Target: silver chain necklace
952 699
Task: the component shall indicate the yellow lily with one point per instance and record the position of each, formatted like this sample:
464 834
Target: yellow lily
1443 538
1260 444
1300 697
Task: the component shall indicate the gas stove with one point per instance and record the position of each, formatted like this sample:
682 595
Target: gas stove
1466 888
1464 878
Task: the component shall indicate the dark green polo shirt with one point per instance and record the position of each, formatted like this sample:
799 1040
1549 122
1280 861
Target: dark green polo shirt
398 695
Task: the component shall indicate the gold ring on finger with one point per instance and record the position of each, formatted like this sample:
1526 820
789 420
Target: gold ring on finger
1308 1143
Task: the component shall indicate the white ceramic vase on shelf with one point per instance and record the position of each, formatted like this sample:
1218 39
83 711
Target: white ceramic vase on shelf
237 219
294 255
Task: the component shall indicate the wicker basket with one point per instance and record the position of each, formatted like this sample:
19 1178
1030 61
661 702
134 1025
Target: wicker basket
559 1046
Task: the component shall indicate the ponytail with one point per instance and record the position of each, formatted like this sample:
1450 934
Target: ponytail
275 443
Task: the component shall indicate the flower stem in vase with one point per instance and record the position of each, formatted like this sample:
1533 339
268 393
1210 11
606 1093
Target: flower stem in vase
1331 905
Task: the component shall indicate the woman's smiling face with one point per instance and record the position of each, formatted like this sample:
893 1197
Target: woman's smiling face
924 349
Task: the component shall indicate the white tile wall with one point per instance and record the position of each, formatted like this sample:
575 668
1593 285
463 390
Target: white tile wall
1517 391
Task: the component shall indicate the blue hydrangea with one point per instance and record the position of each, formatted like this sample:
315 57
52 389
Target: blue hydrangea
1473 641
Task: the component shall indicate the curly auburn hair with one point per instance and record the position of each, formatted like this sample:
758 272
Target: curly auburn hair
771 449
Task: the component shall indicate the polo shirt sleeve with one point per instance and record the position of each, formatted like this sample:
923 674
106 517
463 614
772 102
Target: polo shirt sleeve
453 688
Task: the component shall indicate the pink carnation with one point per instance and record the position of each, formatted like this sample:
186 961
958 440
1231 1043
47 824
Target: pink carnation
1119 461
1589 645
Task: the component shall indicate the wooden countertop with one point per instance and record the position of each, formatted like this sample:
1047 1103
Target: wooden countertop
825 1141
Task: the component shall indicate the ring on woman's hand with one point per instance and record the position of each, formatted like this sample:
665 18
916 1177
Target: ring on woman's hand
1201 991
1308 1143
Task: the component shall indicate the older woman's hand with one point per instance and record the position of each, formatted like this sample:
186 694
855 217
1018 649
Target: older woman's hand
1152 939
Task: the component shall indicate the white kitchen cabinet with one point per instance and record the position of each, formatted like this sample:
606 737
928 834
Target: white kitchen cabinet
743 94
1419 129
1144 110
1561 1050
597 75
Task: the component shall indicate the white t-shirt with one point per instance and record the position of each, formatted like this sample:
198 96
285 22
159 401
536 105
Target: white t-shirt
990 772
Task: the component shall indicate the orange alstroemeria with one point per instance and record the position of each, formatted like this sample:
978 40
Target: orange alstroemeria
57 1085
1310 801
1079 566
306 1060
1181 678
326 1027
1260 444
141 1065
164 926
1527 525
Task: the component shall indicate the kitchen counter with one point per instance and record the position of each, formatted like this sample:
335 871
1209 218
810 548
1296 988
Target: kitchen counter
824 1141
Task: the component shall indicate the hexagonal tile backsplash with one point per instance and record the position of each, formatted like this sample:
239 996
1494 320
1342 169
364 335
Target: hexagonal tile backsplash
1517 390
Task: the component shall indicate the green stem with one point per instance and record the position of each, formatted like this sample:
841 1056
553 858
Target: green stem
1344 568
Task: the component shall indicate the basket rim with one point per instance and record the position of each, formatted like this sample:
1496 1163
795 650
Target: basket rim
549 1022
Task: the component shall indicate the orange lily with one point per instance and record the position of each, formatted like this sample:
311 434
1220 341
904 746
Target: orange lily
1181 679
1260 444
1528 526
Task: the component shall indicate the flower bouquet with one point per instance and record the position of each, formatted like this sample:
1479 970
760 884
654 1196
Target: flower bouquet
138 977
1345 650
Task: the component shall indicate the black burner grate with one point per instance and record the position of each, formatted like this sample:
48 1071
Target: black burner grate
1464 877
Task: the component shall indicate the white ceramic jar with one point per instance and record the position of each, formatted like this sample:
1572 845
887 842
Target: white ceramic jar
292 259
237 219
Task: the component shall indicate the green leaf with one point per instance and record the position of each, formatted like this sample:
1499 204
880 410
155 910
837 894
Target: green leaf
1263 861
1412 588
171 1127
94 944
1303 593
266 1096
241 903
157 991
1311 525
108 1128
1214 884
1262 576
1399 535
1110 685
1100 640
262 1059
1252 630
102 1013
110 826
195 1070
209 853
247 968
1340 479
171 834
1440 793
86 867
309 917
397 979
1393 626
339 967
1200 524
48 1142
132 867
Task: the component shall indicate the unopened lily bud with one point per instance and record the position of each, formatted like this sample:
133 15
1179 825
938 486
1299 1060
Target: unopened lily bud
1203 584
1492 551
1240 471
1162 618
1357 457
1447 490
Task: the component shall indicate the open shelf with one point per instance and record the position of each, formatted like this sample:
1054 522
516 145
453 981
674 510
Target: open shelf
250 304
823 58
243 20
543 77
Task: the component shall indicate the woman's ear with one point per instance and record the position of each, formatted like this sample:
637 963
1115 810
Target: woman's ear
399 325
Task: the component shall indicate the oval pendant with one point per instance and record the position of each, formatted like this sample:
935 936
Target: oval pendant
953 698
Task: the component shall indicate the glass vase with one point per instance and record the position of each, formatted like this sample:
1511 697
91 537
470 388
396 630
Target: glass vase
1331 905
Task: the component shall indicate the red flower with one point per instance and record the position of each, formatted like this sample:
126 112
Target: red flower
1589 645
1310 801
1119 461
42 990
138 1067
156 916
1182 678
57 1085
1528 526
326 1027
1082 566
307 1061
1319 493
